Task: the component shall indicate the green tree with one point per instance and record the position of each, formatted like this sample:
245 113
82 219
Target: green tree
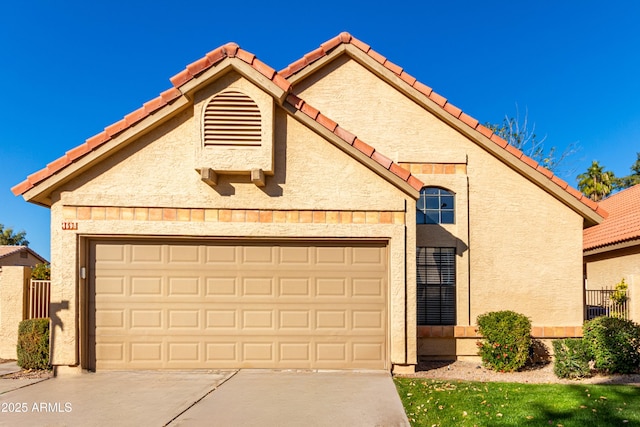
634 177
596 183
522 135
41 272
8 237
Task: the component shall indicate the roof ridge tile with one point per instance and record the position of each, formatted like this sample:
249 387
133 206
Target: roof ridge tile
346 38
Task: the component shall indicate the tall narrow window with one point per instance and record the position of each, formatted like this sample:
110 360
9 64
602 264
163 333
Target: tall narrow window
435 206
436 286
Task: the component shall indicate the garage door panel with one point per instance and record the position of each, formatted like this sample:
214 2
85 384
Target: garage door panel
331 319
257 286
295 287
146 352
258 353
223 318
147 254
111 352
239 306
110 319
295 255
257 319
146 286
221 286
295 352
105 254
220 254
368 256
367 352
257 255
179 352
185 319
184 254
298 320
106 285
331 287
225 353
184 286
146 319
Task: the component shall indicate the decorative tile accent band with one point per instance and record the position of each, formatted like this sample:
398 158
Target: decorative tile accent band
435 168
471 332
101 213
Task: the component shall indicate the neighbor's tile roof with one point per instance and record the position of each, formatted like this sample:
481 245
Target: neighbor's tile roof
346 38
622 224
8 250
230 50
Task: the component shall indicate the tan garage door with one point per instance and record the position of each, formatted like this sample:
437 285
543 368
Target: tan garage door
237 305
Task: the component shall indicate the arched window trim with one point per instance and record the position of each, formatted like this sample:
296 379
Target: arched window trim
432 207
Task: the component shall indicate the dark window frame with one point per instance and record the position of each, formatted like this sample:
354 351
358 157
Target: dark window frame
436 285
432 207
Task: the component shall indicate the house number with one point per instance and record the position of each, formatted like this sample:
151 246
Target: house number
67 225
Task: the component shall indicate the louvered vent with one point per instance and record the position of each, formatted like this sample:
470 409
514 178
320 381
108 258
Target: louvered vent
232 118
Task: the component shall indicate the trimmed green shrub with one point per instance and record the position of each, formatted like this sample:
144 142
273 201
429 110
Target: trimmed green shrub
507 338
571 358
33 344
613 344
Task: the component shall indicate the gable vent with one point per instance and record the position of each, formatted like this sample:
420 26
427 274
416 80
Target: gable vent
232 118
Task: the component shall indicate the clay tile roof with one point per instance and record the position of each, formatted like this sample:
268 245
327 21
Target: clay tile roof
230 50
622 224
111 131
346 38
8 250
300 105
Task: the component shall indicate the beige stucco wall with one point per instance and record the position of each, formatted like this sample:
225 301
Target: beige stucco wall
605 270
158 171
13 282
521 248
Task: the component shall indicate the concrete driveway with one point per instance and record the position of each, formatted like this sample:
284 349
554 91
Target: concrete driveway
203 398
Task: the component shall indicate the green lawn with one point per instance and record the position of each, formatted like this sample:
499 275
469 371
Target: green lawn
459 403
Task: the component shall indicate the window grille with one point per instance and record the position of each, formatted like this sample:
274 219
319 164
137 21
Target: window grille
436 286
435 206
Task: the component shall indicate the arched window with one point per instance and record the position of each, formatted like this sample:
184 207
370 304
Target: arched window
435 206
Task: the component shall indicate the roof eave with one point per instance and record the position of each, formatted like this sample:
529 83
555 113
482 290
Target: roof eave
362 157
454 118
41 192
612 247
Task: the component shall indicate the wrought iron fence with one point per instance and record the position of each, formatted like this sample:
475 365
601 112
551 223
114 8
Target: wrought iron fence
39 298
600 303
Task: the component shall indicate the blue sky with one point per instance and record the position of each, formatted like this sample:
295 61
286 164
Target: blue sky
71 68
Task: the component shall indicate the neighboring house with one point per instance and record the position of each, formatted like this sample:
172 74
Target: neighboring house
238 221
20 256
612 248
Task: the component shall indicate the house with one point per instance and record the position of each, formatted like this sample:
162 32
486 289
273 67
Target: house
19 255
337 214
612 248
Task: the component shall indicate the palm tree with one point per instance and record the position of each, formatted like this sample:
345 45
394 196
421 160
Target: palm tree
634 177
596 183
